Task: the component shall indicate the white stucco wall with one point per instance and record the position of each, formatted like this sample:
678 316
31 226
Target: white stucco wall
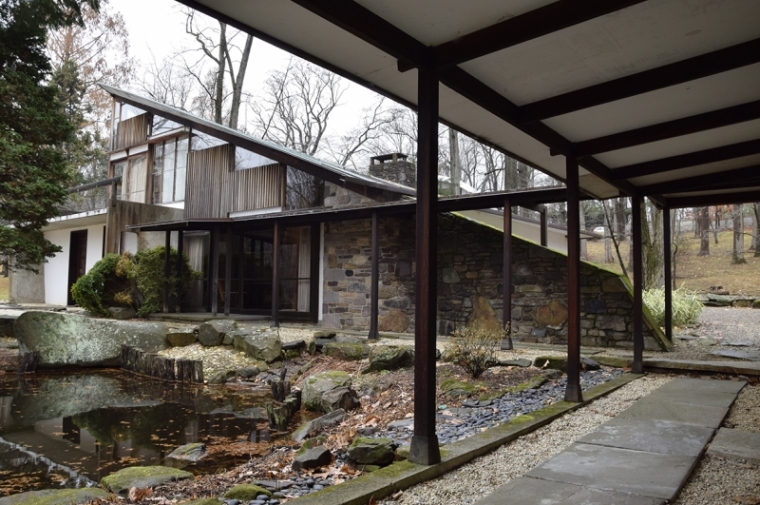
57 268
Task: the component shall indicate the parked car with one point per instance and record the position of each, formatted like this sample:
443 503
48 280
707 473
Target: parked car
599 230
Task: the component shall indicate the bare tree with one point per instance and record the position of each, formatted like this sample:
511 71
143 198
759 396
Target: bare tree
229 63
703 223
169 83
737 257
455 168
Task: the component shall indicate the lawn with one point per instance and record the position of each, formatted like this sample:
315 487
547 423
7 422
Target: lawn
699 273
3 288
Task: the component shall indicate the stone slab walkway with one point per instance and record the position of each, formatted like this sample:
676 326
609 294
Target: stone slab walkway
641 457
736 444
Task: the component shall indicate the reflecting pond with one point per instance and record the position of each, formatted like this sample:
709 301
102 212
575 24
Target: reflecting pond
71 429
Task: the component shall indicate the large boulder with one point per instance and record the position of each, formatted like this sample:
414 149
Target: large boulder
141 477
212 333
372 451
312 458
186 455
55 497
390 357
263 345
328 391
180 337
67 340
345 351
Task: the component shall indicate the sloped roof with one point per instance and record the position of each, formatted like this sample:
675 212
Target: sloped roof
654 97
326 170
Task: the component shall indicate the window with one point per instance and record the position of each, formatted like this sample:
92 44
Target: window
133 178
303 190
169 169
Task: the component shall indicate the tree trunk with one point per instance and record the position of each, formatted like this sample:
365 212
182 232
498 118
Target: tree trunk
455 168
652 241
522 183
756 228
704 232
620 205
237 81
219 82
738 252
717 223
584 250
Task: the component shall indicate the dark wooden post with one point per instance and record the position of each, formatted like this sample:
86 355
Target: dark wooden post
375 279
276 276
544 227
668 266
506 343
424 446
180 265
638 319
214 271
167 268
573 392
228 247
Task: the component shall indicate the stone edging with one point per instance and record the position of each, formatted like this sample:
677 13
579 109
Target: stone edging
404 474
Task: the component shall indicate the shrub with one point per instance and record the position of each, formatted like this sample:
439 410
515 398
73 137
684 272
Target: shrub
94 291
686 306
131 280
474 349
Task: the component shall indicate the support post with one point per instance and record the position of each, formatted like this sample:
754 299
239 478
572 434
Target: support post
214 271
573 392
167 269
276 276
668 266
506 342
375 279
228 245
544 227
638 314
180 265
424 446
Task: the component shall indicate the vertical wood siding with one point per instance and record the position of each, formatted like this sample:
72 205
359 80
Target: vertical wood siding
132 131
213 191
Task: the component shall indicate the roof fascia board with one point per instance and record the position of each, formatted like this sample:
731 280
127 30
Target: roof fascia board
713 199
679 72
687 160
670 129
531 25
737 178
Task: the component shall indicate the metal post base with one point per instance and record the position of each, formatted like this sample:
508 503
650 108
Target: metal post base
506 344
637 367
424 450
573 393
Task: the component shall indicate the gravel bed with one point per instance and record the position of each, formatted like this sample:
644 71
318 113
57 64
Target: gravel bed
473 481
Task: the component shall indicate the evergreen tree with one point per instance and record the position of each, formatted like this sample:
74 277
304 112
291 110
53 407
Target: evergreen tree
33 128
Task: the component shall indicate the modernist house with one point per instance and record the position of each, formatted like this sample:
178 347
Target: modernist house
281 234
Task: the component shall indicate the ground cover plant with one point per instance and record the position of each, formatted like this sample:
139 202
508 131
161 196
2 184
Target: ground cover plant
686 306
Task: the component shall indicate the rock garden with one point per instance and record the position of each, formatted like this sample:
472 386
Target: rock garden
354 400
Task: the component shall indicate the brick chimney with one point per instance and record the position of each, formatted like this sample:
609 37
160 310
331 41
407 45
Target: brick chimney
394 167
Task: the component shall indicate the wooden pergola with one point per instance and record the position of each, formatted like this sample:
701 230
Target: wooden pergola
655 98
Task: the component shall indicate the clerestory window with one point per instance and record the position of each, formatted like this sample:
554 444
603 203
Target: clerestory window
169 170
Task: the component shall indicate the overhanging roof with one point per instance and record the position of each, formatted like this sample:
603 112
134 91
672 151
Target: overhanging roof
644 93
326 170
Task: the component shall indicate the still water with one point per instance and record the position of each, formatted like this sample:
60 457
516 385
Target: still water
71 429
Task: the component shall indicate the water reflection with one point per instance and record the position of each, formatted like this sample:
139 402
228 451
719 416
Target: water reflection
72 429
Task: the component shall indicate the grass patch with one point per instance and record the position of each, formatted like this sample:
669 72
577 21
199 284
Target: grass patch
699 273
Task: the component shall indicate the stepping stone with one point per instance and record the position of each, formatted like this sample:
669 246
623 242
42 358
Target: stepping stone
745 355
736 444
682 413
619 470
712 385
528 491
738 344
662 437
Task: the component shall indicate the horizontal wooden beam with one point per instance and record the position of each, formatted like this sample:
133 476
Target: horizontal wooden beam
371 28
687 160
738 178
714 199
670 129
704 65
531 25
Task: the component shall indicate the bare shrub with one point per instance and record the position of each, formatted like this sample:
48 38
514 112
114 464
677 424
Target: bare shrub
474 349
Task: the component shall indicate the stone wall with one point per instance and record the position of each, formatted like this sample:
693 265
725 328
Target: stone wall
470 285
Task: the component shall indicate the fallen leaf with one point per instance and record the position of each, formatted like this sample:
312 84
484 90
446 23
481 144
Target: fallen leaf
747 500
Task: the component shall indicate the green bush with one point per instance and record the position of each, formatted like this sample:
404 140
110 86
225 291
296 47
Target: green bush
686 306
94 290
131 280
474 349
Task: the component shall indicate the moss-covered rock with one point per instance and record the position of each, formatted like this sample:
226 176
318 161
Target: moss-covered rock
346 351
328 391
553 362
187 454
202 501
141 477
390 357
456 388
246 492
372 451
55 497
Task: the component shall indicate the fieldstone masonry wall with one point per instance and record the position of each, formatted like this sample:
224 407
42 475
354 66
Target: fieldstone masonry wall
470 285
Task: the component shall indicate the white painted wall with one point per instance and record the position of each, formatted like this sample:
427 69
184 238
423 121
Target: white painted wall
57 268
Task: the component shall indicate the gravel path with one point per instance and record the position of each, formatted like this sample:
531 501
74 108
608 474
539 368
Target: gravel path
482 476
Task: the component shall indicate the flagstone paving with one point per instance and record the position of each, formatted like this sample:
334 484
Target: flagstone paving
642 457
